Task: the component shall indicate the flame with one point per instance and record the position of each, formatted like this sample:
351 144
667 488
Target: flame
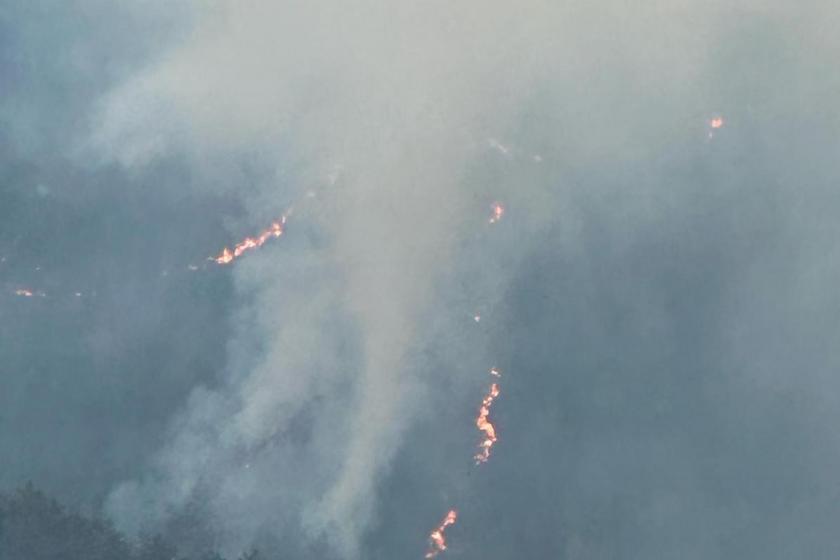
498 212
484 425
228 256
437 539
715 123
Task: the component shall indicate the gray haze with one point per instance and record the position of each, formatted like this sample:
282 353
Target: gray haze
660 300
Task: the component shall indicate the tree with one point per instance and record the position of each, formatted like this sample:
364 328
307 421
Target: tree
36 527
156 548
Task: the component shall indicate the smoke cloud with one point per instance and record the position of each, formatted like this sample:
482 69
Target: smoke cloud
392 129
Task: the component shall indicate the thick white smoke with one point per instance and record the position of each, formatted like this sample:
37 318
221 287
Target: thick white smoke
402 98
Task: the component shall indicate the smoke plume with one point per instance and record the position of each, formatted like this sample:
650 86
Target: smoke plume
395 129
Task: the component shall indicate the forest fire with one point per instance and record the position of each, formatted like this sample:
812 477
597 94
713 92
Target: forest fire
485 426
715 124
437 538
227 255
498 212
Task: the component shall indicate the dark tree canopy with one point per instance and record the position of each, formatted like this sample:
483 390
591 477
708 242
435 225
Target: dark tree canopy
34 526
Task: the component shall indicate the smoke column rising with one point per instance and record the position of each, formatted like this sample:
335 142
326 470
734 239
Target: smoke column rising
402 99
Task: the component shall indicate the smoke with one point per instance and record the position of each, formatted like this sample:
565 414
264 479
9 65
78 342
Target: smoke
395 98
391 114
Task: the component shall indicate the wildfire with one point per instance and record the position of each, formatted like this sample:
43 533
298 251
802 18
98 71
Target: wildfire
498 212
227 255
437 538
715 123
485 426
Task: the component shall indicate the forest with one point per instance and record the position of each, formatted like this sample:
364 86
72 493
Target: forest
34 526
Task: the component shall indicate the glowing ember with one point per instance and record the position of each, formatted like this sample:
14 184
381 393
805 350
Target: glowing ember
498 212
228 256
495 372
484 425
715 123
437 539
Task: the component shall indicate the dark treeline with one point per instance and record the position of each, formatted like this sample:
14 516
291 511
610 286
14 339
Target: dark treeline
34 526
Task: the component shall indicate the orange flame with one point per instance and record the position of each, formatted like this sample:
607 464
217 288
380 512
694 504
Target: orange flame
484 425
437 539
715 123
498 212
228 256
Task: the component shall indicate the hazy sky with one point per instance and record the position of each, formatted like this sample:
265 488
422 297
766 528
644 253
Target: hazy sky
659 294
